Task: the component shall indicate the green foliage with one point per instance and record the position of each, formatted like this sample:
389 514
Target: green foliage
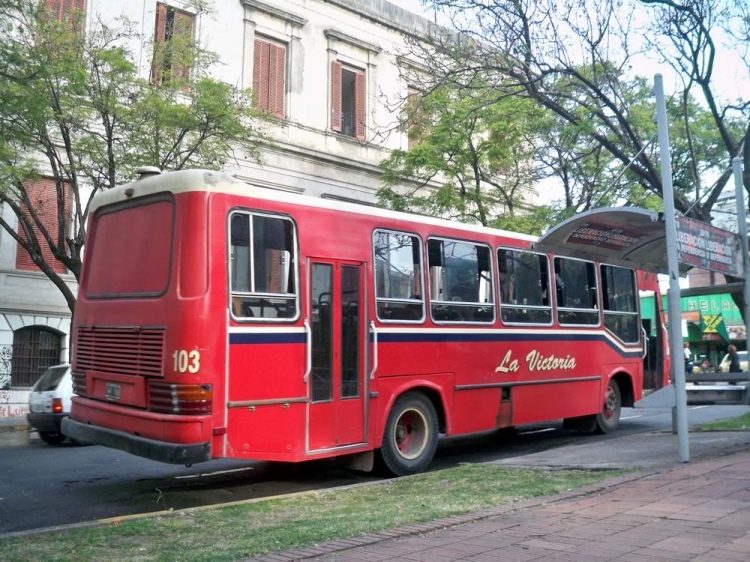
301 520
470 156
739 423
77 108
576 63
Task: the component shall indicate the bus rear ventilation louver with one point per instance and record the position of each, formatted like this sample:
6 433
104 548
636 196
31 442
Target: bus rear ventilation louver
120 351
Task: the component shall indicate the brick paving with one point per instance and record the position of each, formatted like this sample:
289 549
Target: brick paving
698 512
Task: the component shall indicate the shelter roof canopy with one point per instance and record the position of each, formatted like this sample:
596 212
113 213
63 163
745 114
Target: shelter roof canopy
626 236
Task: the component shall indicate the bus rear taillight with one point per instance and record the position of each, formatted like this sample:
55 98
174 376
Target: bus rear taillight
186 399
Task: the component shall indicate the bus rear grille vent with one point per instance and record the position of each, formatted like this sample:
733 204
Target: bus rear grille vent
120 351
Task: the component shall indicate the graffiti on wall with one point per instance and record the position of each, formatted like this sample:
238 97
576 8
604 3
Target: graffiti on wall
14 403
6 354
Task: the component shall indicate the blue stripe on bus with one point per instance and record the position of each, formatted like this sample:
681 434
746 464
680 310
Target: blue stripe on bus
433 337
259 337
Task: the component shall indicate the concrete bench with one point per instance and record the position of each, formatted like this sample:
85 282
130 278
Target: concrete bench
718 388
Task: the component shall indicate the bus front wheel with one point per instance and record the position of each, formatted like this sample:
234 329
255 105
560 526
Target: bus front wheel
411 435
609 418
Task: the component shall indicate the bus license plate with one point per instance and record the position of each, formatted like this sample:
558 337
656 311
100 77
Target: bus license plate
113 391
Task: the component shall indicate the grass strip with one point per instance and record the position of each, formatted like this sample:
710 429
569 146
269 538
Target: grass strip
732 424
245 530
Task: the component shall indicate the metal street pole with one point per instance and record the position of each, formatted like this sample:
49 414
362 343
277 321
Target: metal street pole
675 308
739 195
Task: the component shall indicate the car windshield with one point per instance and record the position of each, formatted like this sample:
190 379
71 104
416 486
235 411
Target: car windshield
50 379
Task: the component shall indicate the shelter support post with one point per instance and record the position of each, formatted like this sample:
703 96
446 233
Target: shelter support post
739 195
674 305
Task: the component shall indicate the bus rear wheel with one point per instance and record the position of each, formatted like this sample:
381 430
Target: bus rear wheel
609 418
411 435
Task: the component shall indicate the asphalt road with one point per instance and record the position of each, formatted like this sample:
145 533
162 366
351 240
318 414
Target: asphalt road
45 486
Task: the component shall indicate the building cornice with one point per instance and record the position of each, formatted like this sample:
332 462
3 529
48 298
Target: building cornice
388 15
294 19
343 37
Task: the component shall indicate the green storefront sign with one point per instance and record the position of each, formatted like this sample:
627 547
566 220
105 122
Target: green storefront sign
712 322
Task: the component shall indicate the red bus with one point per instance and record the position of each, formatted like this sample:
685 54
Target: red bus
216 319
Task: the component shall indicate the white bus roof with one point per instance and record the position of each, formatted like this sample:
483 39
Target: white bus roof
217 182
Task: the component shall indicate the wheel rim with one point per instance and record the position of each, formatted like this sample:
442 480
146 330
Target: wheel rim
410 434
610 403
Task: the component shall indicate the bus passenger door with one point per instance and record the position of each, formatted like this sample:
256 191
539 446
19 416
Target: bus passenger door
337 385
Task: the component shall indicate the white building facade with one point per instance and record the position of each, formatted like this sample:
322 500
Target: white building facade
329 70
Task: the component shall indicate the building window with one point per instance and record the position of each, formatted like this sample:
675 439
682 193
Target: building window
348 101
44 201
269 76
173 45
415 129
35 349
61 9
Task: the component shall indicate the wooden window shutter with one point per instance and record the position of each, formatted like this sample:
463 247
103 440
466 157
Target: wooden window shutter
414 114
183 27
160 35
276 75
261 56
336 117
54 8
43 196
257 70
360 105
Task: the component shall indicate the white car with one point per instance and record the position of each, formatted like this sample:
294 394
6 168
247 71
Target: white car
49 403
724 365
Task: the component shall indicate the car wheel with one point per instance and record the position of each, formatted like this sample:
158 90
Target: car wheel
51 437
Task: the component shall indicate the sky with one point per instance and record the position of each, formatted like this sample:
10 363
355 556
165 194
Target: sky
730 78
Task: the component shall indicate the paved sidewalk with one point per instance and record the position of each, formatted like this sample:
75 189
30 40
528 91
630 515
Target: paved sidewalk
14 432
696 512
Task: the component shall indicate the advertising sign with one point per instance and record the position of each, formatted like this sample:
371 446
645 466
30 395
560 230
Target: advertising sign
707 247
604 236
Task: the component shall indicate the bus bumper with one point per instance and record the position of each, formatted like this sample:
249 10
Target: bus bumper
172 453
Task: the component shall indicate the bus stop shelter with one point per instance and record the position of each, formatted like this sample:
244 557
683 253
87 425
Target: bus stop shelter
626 236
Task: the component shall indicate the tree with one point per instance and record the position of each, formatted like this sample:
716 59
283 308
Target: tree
75 110
574 60
469 160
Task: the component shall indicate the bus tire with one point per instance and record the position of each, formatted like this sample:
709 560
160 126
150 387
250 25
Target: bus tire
411 435
609 418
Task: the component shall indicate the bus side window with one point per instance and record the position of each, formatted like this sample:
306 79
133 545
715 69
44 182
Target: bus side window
523 287
460 281
398 276
262 267
619 294
576 292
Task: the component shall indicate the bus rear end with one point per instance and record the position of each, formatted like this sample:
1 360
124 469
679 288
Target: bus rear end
147 365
